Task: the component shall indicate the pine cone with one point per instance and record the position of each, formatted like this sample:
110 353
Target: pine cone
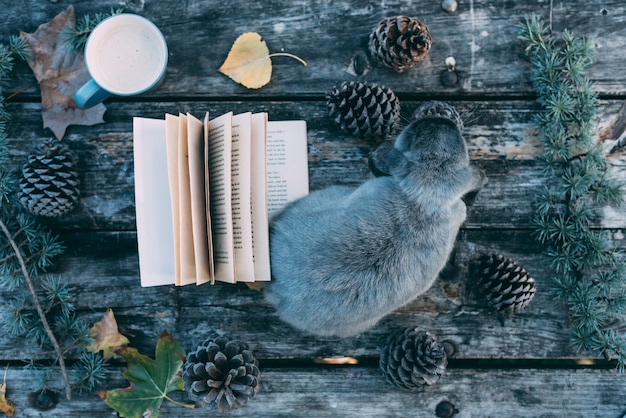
364 109
413 359
400 42
49 183
222 373
501 283
442 109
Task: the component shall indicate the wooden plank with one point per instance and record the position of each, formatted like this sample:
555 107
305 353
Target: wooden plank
496 100
482 36
501 139
362 391
103 269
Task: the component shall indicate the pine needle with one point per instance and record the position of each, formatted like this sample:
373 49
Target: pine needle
76 36
591 277
42 308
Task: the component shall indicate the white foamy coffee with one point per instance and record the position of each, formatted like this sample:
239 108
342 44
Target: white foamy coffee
126 55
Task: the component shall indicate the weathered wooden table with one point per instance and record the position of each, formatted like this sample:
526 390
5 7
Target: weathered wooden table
522 367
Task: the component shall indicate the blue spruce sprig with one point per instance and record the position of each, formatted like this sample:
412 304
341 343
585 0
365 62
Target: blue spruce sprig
41 307
591 273
77 34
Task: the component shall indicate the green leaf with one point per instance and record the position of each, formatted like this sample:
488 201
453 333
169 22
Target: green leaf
150 380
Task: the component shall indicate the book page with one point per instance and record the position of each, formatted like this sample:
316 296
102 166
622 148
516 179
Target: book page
241 206
220 147
155 237
195 144
187 256
171 138
287 164
207 197
260 228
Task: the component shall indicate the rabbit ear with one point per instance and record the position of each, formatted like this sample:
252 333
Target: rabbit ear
377 160
397 163
385 160
477 180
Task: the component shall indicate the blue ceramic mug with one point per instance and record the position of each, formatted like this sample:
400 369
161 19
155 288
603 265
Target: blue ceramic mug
125 55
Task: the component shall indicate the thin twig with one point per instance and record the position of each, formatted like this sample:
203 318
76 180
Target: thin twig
15 93
40 312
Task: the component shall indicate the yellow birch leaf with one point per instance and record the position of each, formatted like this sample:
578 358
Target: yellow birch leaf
249 61
5 407
106 336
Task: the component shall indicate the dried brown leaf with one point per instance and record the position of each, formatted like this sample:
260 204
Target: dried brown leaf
106 336
258 286
5 406
60 72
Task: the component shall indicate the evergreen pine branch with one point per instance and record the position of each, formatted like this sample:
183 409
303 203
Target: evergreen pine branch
19 47
40 312
77 34
591 278
43 311
92 368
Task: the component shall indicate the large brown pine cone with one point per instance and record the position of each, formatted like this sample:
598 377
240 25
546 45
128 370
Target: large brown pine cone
501 283
400 42
364 109
49 183
221 373
413 359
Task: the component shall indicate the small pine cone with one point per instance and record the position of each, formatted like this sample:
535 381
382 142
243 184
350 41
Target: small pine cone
364 109
413 359
221 373
501 283
442 109
49 183
400 42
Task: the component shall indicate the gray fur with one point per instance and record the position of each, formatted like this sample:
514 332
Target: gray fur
344 257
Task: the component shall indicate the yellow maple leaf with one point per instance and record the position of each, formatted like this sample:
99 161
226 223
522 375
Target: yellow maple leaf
106 336
249 61
5 407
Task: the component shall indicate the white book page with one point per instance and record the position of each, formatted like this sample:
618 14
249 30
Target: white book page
220 147
207 196
241 206
260 228
171 139
287 164
187 256
155 239
195 143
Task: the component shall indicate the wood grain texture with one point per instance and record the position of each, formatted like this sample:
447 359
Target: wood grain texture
103 270
331 36
359 391
503 367
501 139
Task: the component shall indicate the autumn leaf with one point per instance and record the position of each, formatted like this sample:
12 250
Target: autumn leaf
258 286
106 336
249 61
151 380
5 407
60 72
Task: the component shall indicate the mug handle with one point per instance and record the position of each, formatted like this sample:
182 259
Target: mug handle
90 94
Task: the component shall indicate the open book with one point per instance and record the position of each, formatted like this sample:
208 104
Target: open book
205 191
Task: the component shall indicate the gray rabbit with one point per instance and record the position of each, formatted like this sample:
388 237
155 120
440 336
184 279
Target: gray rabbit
344 257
